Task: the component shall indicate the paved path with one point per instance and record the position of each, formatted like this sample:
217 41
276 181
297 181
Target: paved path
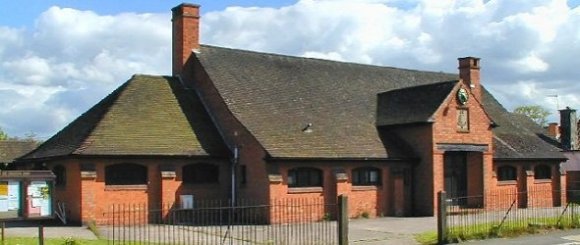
80 232
387 230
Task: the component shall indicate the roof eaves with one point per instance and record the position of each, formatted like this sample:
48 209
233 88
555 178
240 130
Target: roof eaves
339 159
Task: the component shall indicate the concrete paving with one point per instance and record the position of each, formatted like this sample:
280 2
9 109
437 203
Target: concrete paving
79 232
386 230
389 230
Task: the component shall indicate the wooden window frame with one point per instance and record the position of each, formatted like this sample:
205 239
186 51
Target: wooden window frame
305 177
503 175
363 176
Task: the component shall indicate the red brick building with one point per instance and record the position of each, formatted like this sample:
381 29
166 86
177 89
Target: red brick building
240 124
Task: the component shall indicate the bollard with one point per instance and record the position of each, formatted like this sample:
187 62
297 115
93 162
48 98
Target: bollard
442 218
41 235
342 220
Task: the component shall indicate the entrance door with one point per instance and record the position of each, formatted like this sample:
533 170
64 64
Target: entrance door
455 176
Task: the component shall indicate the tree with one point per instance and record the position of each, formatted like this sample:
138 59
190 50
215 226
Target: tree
535 112
3 135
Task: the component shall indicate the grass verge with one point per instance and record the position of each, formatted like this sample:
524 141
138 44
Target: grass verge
493 230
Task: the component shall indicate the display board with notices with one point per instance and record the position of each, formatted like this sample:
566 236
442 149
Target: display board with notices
10 199
39 201
26 194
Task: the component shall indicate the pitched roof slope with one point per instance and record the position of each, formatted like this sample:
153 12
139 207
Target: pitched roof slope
277 96
148 115
12 149
412 105
518 137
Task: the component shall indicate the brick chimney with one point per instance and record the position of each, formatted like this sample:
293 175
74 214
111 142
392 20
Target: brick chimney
469 74
554 130
568 129
185 34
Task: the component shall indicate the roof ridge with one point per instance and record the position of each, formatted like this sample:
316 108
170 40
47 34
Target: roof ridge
320 59
420 86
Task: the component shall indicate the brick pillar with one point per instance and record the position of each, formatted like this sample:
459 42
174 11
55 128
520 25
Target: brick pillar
558 190
530 190
488 176
342 185
169 188
438 178
89 202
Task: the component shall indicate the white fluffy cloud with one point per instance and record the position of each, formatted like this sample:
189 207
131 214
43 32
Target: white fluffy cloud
70 59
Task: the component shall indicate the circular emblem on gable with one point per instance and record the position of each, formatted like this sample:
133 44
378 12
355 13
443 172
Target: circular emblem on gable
462 96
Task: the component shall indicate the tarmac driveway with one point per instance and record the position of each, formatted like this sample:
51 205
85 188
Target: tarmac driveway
389 230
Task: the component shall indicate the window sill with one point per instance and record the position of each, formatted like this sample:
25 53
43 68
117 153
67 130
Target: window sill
315 189
507 182
201 184
542 181
365 187
125 187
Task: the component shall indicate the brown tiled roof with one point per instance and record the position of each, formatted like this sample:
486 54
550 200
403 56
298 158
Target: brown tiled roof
295 107
412 105
275 97
12 149
518 137
148 115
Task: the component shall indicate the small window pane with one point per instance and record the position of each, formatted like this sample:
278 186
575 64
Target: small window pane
506 173
126 174
304 177
542 172
366 176
200 173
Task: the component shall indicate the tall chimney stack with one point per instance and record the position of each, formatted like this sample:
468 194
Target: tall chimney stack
185 34
469 74
568 129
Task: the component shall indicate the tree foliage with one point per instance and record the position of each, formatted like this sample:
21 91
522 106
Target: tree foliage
3 135
535 112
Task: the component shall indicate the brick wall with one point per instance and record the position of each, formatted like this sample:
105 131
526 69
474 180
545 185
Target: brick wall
89 198
446 131
388 198
531 192
419 137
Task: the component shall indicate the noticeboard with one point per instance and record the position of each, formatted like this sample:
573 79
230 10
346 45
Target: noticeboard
26 194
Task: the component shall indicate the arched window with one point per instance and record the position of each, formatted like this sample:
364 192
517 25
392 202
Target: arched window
366 176
125 174
200 173
60 173
542 172
506 173
304 177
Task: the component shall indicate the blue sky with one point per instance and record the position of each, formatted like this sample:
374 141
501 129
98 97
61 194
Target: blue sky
59 58
19 13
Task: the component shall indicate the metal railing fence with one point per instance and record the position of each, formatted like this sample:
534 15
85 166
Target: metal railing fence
286 221
505 212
